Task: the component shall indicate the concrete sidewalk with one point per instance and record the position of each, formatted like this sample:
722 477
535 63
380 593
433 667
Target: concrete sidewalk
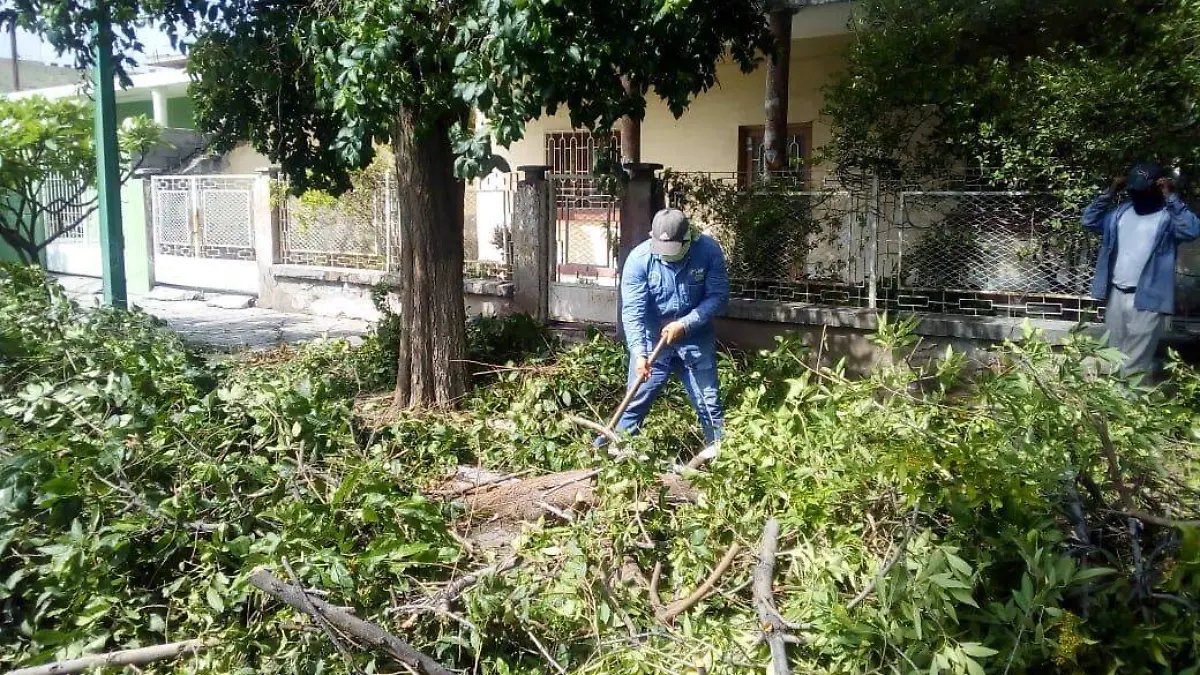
203 324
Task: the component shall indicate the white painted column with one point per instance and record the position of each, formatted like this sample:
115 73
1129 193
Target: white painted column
158 98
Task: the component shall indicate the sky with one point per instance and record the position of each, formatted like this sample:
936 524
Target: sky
32 48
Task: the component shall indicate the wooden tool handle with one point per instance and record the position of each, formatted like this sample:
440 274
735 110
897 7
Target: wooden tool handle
637 384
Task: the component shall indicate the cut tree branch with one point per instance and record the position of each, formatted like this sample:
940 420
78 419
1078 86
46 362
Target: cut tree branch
316 614
702 591
1114 469
775 627
1156 520
125 657
363 631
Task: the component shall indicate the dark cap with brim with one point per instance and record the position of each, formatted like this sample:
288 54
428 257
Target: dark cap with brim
668 232
1143 177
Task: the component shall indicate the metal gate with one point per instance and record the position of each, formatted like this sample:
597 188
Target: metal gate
76 250
586 229
204 232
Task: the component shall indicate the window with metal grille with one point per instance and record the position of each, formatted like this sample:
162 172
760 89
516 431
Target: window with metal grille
798 149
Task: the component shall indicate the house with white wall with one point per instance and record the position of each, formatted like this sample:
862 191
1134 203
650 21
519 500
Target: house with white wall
721 132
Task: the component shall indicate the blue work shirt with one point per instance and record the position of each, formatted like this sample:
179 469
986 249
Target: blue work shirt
1156 287
655 292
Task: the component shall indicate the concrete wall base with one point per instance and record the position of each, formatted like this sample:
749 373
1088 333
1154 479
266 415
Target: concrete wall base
336 292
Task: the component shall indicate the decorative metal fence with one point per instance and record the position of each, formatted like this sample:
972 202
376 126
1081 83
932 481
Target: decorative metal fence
587 221
204 216
361 229
1015 254
356 230
487 226
795 240
966 252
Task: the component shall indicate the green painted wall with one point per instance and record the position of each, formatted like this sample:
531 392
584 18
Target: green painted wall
180 113
138 267
127 109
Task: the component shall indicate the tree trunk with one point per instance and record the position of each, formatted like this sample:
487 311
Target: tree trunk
776 104
631 133
430 362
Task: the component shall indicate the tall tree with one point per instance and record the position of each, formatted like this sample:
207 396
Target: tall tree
1038 93
316 85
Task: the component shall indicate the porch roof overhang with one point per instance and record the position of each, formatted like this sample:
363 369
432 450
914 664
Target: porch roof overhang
819 18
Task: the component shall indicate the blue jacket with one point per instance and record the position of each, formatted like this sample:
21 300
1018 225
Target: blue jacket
655 292
1156 287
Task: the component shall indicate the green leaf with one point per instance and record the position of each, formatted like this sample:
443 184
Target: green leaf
977 650
1091 573
213 597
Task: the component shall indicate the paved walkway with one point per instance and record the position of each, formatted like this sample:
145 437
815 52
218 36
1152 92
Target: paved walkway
204 325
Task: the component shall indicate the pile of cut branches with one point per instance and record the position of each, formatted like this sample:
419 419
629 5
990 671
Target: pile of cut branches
174 514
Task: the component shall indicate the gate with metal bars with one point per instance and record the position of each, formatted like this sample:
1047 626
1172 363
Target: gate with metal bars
76 246
204 232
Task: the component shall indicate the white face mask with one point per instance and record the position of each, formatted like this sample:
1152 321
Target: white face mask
687 245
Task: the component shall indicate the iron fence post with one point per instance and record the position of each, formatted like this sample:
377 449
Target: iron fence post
873 208
389 227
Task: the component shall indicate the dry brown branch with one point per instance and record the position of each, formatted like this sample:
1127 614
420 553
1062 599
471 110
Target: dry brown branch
702 591
364 631
655 578
125 657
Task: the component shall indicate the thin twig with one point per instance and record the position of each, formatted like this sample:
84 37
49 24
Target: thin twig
482 484
887 566
537 643
562 515
578 479
1114 469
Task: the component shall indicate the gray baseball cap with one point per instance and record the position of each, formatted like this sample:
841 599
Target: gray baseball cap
668 232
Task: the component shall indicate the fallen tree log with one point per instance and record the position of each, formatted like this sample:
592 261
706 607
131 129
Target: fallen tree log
125 657
364 631
526 499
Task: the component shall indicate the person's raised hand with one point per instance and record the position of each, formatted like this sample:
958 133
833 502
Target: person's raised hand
674 331
1166 185
1118 183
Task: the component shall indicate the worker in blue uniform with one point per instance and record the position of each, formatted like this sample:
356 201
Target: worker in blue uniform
673 285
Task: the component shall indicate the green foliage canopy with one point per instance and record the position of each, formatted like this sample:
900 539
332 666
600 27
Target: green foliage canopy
317 87
1056 94
43 140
